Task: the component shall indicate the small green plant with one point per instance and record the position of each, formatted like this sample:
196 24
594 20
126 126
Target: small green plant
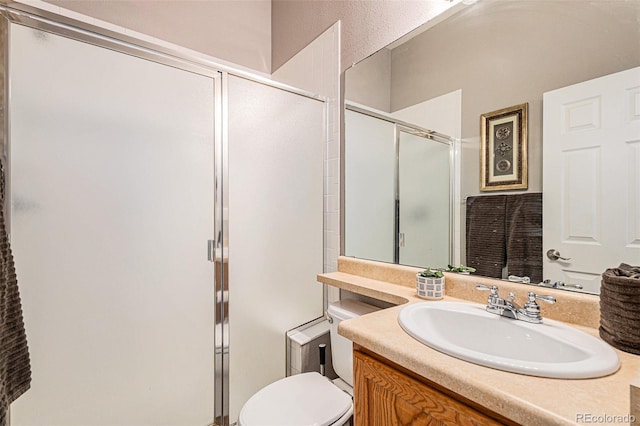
461 269
432 273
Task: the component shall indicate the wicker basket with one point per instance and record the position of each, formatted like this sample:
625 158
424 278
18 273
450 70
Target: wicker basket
620 308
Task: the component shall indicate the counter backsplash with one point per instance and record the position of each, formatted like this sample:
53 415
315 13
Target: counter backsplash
576 308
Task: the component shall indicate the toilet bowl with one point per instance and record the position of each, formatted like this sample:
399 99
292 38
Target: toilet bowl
310 399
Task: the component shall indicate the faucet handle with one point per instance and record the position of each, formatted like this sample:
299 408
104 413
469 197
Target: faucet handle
493 289
531 311
548 299
493 300
562 284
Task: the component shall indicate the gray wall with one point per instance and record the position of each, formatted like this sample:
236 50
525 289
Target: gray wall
503 53
235 31
370 81
263 34
367 26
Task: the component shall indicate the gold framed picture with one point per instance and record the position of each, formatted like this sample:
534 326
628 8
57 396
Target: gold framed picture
503 154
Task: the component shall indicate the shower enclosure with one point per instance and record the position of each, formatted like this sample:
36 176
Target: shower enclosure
153 201
398 181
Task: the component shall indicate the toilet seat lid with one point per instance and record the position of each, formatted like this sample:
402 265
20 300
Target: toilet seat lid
302 399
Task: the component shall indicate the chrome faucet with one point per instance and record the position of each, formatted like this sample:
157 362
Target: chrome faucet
558 284
530 312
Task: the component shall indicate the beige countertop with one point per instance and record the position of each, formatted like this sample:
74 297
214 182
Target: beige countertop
524 399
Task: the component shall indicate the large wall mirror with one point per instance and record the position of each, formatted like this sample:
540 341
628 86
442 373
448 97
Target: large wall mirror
574 65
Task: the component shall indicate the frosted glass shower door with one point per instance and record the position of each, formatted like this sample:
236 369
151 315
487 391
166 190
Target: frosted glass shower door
112 191
425 203
370 169
275 195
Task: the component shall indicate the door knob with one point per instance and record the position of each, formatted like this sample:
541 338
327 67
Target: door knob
554 254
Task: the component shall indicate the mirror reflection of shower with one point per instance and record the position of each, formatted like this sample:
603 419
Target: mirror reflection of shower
399 186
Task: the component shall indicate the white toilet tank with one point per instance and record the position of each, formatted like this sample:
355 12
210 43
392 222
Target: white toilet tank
341 347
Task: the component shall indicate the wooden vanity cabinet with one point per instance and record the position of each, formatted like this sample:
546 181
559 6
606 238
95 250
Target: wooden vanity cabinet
388 395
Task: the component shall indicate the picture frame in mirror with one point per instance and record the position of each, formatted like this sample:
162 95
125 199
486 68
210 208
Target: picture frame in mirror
503 152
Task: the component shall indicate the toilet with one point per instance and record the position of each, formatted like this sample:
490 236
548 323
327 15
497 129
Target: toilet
310 399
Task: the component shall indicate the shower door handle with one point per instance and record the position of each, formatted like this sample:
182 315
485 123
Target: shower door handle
211 250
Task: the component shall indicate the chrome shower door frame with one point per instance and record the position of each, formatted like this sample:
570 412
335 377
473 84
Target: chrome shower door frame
214 246
404 127
82 32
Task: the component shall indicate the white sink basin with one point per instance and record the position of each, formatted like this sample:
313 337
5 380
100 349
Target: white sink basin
467 331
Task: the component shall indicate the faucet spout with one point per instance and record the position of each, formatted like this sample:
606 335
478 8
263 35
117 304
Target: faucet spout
503 307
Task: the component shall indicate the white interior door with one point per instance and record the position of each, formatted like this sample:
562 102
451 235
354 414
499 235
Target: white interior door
111 182
591 177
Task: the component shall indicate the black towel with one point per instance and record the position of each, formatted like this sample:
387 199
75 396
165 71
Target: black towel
486 248
15 368
524 235
505 230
